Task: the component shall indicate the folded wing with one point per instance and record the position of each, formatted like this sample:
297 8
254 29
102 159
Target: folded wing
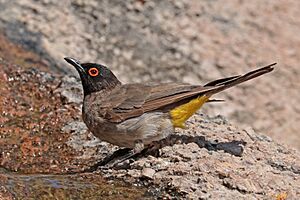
131 100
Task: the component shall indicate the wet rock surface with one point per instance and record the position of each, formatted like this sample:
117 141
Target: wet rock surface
183 40
83 186
42 132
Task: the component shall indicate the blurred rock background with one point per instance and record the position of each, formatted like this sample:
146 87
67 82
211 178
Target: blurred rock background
185 40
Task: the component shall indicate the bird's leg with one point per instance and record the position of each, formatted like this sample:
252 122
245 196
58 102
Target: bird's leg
108 159
138 148
117 157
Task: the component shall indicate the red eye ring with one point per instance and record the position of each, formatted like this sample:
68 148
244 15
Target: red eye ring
93 71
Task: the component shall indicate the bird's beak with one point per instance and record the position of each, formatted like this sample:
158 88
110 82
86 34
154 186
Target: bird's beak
76 64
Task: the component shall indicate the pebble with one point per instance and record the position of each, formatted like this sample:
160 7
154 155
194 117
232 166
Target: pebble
148 172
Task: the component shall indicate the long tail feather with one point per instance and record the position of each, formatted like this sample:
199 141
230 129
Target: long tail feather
222 84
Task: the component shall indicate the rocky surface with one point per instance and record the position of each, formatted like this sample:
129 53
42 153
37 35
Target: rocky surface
183 40
36 141
191 41
42 132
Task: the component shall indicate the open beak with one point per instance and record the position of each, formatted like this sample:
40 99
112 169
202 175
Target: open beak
76 64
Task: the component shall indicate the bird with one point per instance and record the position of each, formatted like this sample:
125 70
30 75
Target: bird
134 115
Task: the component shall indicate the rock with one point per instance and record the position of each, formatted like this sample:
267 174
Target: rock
211 159
184 41
71 90
191 41
148 172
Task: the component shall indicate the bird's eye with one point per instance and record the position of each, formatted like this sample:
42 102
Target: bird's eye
93 71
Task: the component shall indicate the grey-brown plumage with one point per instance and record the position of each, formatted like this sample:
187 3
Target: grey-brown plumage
133 115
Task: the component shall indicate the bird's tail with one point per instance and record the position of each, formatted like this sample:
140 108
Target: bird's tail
224 83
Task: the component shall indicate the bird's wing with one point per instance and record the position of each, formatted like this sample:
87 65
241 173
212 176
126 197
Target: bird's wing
131 100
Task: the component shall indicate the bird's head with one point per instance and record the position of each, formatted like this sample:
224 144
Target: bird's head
94 77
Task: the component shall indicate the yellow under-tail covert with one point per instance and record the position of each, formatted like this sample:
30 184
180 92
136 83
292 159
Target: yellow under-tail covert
183 112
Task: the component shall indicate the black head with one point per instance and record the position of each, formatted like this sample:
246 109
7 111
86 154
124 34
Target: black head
94 77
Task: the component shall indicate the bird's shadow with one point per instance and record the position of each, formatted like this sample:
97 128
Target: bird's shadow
233 147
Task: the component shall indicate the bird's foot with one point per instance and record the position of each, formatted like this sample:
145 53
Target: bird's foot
120 158
124 160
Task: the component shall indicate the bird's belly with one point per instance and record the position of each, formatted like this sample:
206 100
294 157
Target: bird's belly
147 128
